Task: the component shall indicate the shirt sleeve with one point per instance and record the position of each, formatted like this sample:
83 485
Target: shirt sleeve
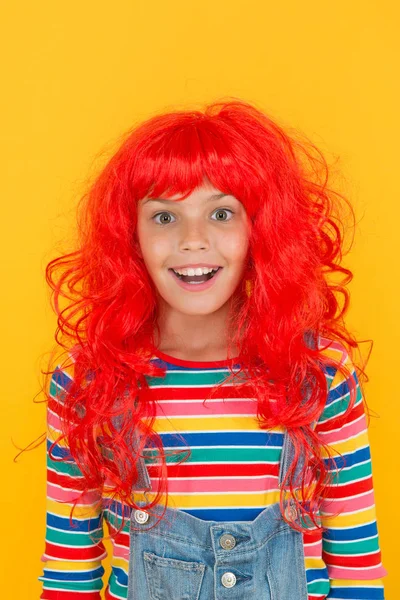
73 550
350 541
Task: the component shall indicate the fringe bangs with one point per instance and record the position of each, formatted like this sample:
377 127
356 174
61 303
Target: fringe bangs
174 154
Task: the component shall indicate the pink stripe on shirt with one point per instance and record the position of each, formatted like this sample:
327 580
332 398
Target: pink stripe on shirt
211 407
348 431
62 495
344 505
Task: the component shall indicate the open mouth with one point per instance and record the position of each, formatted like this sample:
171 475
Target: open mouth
196 279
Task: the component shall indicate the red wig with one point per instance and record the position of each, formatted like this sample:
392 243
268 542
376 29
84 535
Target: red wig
110 316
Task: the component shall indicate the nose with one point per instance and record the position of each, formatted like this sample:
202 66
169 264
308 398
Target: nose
194 236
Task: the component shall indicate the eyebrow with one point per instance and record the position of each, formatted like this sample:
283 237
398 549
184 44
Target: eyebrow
213 197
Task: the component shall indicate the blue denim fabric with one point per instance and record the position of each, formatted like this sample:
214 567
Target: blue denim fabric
186 558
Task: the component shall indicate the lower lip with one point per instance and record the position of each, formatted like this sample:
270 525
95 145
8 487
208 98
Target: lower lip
196 287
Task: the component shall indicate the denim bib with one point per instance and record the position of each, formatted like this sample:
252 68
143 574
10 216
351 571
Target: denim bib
186 558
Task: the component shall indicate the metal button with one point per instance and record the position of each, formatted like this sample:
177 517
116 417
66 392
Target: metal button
227 541
141 516
228 580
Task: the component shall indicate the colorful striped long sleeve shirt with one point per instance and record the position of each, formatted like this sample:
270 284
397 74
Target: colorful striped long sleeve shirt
232 474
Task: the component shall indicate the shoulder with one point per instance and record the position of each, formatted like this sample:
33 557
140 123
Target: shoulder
60 382
339 363
63 374
343 386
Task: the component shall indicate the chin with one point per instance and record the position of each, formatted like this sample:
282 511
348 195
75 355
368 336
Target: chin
199 307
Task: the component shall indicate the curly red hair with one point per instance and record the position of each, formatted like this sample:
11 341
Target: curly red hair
109 319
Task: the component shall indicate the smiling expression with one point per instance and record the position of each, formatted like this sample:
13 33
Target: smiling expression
207 229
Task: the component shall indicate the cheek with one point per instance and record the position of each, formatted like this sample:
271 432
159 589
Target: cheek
155 250
235 246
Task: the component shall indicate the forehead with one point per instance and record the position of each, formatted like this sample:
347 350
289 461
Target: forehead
202 194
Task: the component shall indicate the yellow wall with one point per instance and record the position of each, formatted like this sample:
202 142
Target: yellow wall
77 74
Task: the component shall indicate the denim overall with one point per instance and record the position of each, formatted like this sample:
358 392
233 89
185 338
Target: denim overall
186 558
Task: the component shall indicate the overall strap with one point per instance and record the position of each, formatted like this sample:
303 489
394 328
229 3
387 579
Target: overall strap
287 457
288 452
143 482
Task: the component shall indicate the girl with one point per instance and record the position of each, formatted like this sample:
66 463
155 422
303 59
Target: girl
208 410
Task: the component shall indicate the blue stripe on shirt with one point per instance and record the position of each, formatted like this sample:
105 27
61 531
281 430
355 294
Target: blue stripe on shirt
220 438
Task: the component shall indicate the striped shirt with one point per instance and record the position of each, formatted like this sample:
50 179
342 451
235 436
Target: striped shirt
231 475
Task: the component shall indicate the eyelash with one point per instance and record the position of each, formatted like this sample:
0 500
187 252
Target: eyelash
168 213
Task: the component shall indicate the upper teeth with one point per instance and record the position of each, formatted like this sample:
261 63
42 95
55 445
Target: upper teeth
198 271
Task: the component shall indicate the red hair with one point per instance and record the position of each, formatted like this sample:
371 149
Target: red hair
110 315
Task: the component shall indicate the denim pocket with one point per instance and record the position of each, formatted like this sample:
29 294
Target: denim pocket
171 578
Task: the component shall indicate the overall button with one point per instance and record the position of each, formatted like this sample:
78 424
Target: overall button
141 516
227 541
228 580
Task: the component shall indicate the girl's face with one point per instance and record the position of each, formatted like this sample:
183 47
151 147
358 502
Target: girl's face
207 229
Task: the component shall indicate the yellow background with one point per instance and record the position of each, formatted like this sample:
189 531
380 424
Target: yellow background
78 74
